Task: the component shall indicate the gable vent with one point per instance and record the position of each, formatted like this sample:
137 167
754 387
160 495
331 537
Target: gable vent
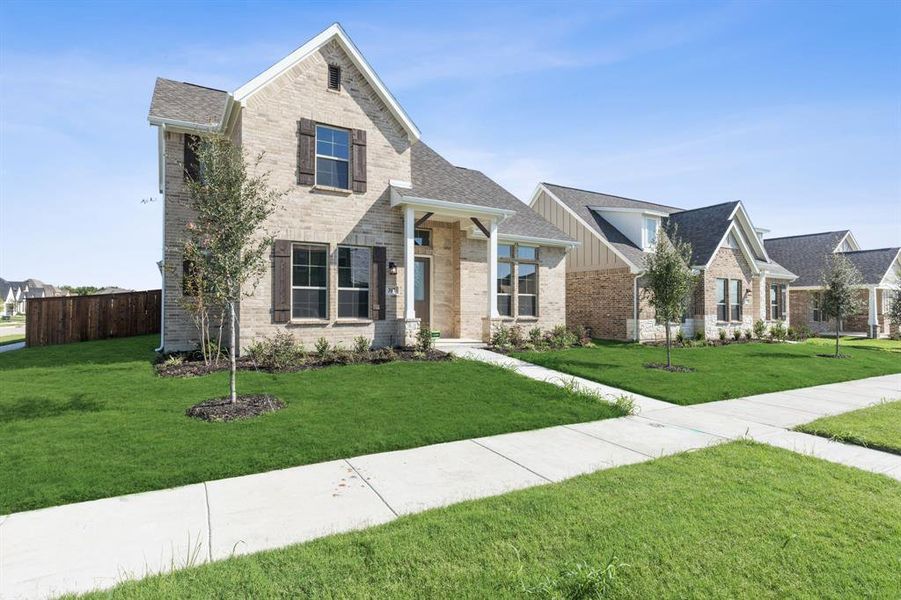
334 77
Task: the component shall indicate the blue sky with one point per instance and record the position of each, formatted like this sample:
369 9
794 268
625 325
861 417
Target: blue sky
793 107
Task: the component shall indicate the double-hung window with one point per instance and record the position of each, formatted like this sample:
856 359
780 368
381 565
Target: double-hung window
650 232
722 293
735 287
817 302
505 280
527 281
309 282
332 157
354 272
777 301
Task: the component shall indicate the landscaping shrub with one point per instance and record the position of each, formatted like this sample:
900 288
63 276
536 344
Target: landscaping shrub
699 336
777 331
560 337
515 336
500 338
748 334
362 344
759 329
322 348
279 351
424 340
536 338
736 335
680 337
722 333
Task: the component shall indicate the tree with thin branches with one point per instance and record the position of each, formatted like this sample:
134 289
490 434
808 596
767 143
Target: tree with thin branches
840 281
668 280
227 243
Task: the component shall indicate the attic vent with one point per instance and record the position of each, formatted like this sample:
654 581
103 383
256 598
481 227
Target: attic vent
334 77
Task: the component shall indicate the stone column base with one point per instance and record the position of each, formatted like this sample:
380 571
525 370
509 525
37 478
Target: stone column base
408 330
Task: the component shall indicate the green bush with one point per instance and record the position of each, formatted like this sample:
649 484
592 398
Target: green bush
736 334
362 344
748 334
279 351
323 349
535 337
680 337
516 337
560 337
759 329
722 334
777 331
699 336
424 339
500 337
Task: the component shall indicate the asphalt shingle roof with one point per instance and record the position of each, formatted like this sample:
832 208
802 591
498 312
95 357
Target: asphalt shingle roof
804 255
437 179
703 228
188 102
872 264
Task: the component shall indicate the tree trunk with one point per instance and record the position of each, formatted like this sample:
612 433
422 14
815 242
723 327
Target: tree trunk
838 320
233 367
669 363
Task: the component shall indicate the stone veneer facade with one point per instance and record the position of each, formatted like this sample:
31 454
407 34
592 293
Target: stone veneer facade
269 124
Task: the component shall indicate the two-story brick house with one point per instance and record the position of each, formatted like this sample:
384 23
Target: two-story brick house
738 282
378 234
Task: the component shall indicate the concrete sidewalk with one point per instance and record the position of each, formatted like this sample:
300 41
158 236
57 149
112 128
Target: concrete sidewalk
79 547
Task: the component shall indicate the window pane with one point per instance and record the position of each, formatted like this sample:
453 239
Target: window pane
721 312
310 265
332 173
504 278
505 305
332 142
720 291
528 279
504 251
354 267
736 312
735 295
353 304
419 280
308 304
528 306
650 227
526 252
422 237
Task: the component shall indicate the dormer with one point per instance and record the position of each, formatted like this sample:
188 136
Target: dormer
640 225
847 244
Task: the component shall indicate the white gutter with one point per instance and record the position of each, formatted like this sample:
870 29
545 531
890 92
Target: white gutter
526 239
162 159
445 207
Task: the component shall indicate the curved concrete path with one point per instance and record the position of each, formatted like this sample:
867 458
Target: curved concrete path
89 545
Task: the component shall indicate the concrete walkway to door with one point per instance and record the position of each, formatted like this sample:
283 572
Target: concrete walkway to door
89 545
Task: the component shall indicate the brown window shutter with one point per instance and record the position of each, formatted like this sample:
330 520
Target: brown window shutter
358 156
306 152
281 281
191 162
380 268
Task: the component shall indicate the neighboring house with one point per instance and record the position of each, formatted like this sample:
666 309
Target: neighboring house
111 290
15 294
806 255
378 233
738 282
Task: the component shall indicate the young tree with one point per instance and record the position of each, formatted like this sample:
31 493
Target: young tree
227 241
668 280
839 298
894 305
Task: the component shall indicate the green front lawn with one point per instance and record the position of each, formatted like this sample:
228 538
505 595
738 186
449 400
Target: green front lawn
720 372
735 521
91 420
858 342
876 427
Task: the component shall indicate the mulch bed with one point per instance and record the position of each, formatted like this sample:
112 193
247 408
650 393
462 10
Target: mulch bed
246 406
672 369
194 368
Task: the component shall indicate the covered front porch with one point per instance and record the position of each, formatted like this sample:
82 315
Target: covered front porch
449 281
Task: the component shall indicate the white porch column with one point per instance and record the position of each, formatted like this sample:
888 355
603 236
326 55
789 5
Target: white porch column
872 320
409 280
492 270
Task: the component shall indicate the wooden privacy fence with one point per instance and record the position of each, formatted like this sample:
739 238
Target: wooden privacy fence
66 319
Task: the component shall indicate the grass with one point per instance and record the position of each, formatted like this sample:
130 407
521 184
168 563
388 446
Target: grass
92 420
11 339
858 342
720 372
14 321
876 427
735 521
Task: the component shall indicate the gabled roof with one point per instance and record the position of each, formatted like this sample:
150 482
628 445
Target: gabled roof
873 265
804 255
187 105
437 179
704 228
333 32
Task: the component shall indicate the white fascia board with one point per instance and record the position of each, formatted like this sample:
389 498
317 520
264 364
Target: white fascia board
891 267
184 126
334 31
643 211
444 207
741 246
848 236
537 241
746 222
633 268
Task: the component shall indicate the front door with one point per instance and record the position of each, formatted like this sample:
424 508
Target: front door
422 290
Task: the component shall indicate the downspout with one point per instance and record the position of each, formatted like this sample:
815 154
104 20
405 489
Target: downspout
162 186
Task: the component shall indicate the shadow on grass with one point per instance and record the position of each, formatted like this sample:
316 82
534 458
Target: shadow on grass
40 408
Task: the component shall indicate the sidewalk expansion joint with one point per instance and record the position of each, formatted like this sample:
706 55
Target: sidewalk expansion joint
209 522
513 461
371 487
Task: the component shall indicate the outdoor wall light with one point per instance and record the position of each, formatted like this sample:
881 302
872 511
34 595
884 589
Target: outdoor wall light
392 268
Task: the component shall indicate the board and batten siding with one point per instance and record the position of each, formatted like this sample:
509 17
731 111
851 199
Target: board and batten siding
591 254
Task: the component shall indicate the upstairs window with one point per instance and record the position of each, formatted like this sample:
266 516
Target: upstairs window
332 157
334 77
650 232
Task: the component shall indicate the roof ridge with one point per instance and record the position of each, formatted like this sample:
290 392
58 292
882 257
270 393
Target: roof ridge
788 237
706 207
569 187
871 250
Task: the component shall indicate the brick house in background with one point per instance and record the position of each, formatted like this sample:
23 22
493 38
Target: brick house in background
806 255
378 233
739 283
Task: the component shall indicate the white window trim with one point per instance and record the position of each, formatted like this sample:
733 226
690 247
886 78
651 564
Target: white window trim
317 156
646 243
310 287
368 287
